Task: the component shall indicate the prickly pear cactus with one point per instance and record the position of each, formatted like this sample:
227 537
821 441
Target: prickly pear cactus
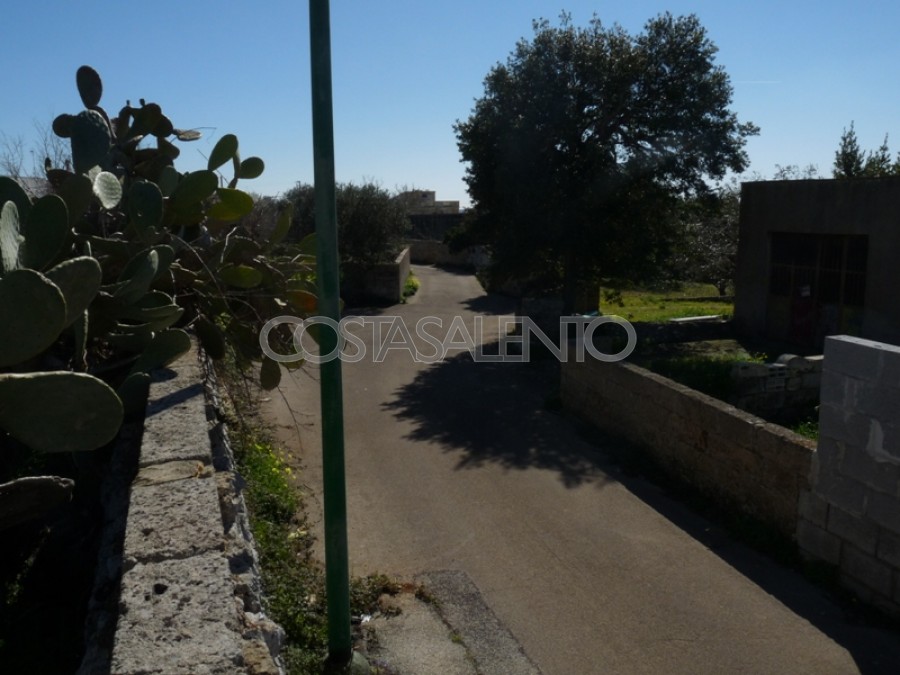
125 255
10 239
34 313
59 411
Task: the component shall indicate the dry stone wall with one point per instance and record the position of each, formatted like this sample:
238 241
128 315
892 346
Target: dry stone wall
738 460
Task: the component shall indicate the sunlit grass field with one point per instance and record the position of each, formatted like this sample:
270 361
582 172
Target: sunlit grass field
690 299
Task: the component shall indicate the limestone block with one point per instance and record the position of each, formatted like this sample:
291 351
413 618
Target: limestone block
843 492
860 532
884 510
173 520
178 616
838 424
813 508
867 570
854 356
880 476
889 549
818 543
182 433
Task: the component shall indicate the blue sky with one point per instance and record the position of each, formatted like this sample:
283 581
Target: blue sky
404 71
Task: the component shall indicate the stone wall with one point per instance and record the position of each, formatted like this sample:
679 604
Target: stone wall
381 282
851 515
736 459
433 252
189 599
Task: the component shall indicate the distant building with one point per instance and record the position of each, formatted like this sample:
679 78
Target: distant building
817 258
430 218
423 202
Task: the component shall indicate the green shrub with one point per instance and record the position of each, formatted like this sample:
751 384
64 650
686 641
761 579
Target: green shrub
371 224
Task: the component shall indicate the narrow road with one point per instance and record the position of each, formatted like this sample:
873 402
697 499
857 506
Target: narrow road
458 465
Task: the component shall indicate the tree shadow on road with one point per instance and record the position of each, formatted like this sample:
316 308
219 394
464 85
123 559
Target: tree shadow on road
493 304
497 413
503 413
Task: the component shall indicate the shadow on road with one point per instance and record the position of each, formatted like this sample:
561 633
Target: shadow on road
502 413
492 305
496 413
872 640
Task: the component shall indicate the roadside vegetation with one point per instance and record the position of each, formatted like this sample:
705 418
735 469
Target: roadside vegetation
293 579
411 286
104 268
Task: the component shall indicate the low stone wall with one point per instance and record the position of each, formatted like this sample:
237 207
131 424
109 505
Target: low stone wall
850 517
736 459
434 252
189 598
382 282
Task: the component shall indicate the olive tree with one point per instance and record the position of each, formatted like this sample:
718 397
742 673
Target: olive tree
586 139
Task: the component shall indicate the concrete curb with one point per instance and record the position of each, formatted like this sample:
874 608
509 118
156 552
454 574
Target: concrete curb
490 644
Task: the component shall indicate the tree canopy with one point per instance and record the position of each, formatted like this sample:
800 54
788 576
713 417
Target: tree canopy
851 162
585 139
371 223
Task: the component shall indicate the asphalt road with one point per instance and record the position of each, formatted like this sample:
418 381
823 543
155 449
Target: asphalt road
461 466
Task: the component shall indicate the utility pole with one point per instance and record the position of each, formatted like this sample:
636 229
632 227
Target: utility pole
337 573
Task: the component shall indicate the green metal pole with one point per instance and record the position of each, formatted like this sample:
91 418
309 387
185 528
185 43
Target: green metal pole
337 574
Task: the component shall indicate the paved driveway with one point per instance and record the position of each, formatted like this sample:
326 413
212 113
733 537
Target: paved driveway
459 465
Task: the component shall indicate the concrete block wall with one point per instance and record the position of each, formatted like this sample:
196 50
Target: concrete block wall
851 515
782 390
190 591
736 459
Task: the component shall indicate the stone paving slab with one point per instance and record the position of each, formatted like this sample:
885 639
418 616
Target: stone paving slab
178 616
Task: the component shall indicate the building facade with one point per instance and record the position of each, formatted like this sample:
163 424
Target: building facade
818 258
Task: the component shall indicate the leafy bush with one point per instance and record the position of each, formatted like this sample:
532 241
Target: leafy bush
371 224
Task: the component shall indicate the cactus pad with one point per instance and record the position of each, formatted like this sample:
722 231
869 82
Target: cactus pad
34 313
59 411
45 230
10 239
79 280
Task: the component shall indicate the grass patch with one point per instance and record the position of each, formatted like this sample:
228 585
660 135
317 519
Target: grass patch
808 428
293 580
707 372
712 376
411 286
650 305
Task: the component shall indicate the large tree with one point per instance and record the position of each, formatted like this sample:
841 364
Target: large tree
584 141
